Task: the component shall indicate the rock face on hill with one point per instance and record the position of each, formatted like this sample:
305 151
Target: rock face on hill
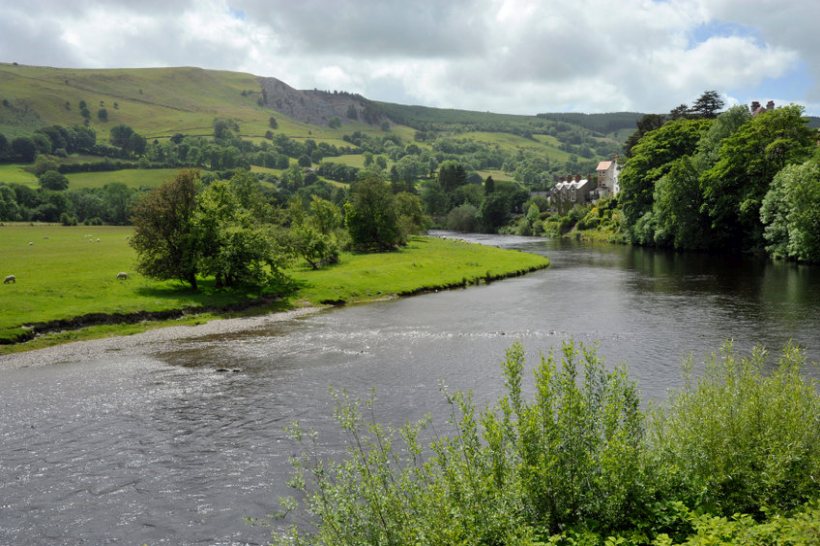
319 107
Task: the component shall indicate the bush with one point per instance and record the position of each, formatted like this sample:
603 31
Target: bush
580 463
736 441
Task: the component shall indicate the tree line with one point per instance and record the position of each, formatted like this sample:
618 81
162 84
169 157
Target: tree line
733 181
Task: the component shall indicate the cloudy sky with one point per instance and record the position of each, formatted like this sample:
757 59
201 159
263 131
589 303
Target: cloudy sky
516 56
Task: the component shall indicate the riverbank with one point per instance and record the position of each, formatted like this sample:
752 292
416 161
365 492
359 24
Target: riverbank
67 287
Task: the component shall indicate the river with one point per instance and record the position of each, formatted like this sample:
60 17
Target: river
145 439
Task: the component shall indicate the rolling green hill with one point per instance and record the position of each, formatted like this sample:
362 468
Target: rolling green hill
159 102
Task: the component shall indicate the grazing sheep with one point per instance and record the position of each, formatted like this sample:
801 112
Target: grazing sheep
122 276
30 243
10 279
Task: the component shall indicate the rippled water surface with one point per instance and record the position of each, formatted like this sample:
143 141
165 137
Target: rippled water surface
149 441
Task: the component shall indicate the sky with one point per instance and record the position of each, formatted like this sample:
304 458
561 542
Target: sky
510 56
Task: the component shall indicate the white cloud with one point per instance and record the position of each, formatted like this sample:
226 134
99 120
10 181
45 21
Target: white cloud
520 56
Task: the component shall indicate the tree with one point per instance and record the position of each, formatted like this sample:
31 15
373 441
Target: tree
707 105
489 185
678 112
370 215
231 245
164 235
53 180
410 210
334 123
679 221
451 175
652 158
646 124
791 213
126 139
5 148
272 123
102 115
734 188
23 149
324 215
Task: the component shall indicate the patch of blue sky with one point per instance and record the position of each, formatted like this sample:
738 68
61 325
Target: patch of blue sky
703 32
237 13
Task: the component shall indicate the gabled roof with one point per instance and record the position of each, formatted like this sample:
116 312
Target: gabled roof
603 165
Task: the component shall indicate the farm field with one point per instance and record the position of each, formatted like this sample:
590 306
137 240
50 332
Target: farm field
88 260
133 178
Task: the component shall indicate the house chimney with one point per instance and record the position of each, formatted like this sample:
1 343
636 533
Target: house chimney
770 105
755 105
577 177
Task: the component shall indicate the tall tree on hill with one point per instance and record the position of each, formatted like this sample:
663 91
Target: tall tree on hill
164 235
708 105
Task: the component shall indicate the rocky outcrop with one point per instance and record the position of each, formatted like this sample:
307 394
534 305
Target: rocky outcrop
319 107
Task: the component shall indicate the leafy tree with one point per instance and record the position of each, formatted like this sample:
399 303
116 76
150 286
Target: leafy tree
451 175
410 211
225 130
317 248
678 112
725 125
489 185
232 246
495 211
304 161
735 186
164 235
370 215
652 158
324 215
53 180
791 213
23 149
646 124
678 220
708 105
334 123
464 218
102 115
5 148
126 139
272 123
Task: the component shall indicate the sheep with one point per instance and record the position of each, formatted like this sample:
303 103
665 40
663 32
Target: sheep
30 243
10 279
122 276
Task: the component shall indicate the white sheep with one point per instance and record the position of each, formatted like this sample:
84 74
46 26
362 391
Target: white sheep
10 279
122 276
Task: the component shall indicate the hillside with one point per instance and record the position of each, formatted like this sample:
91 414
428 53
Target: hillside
159 102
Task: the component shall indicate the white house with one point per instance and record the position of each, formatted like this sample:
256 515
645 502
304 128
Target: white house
608 172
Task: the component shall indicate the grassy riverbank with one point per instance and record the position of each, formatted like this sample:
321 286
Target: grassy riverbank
64 273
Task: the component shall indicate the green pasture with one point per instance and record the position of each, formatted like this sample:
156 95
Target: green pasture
543 144
15 173
426 262
66 272
498 175
133 178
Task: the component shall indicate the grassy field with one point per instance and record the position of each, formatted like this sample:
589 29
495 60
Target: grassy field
68 272
133 178
14 173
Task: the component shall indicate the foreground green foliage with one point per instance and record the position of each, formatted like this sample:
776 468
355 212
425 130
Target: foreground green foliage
579 462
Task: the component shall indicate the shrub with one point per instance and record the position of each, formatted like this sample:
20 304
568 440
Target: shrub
578 462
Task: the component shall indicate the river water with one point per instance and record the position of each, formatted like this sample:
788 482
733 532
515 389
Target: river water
146 440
